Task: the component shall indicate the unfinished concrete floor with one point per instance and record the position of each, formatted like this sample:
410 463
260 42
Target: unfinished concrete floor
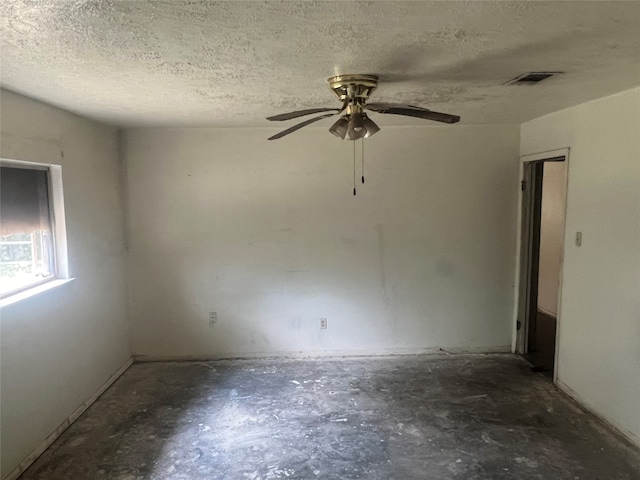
425 417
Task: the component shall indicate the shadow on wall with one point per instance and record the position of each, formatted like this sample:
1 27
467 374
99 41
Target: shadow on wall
260 308
382 288
272 240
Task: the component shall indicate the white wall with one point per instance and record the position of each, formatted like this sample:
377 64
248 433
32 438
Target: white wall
599 318
554 183
269 235
59 347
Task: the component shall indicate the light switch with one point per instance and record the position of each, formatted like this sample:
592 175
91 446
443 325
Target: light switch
578 239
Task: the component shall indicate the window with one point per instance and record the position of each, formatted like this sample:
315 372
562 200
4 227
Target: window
32 234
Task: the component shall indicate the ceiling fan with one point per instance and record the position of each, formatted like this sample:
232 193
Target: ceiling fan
354 91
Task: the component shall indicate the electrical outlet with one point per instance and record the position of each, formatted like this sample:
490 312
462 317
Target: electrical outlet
213 318
323 323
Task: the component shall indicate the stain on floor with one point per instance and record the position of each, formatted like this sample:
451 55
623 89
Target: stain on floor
415 417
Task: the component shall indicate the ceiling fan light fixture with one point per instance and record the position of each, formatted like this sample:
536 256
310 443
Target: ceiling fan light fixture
340 128
354 91
357 129
370 126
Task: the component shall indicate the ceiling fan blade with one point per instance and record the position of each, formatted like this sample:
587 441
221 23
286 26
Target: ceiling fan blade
418 113
299 126
377 106
301 113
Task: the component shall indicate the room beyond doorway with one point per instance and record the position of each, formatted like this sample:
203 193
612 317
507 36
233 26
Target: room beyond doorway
542 240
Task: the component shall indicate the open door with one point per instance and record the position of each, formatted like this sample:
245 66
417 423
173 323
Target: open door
531 187
541 247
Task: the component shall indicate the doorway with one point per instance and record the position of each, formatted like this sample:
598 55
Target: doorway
544 185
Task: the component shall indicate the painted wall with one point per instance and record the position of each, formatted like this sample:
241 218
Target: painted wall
59 347
599 320
554 188
270 236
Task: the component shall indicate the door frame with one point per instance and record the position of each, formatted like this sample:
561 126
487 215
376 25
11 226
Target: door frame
523 260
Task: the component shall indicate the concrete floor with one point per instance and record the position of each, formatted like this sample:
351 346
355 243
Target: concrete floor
425 417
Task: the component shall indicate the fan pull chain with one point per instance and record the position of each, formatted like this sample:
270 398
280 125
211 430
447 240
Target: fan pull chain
354 169
362 150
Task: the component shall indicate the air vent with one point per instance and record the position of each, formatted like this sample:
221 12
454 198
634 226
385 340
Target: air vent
531 78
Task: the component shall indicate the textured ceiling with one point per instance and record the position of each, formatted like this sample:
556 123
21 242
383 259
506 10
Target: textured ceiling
175 62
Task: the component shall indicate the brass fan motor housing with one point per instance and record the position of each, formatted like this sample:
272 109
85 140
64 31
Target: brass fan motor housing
355 88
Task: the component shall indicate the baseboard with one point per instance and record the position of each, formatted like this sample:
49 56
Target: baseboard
619 429
325 354
547 312
33 456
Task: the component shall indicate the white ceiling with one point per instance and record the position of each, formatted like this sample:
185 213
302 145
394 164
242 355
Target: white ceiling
176 62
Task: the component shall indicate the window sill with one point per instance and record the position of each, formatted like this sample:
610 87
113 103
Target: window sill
31 292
